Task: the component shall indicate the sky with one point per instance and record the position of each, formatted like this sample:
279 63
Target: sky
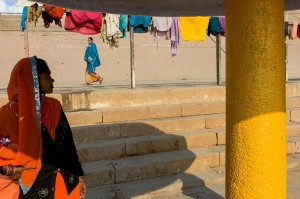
9 6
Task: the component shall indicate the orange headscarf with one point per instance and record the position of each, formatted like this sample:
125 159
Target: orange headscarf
19 121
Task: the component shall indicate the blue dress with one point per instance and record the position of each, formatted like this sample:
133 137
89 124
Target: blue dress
92 57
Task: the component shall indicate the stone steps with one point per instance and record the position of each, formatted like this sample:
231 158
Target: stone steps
147 127
130 135
112 149
121 114
157 126
117 98
152 165
205 183
135 146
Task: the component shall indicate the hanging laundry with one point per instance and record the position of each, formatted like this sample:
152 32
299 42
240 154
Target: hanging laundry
175 35
286 28
193 28
214 26
123 25
113 34
34 12
51 14
161 26
140 24
84 22
293 30
24 17
223 25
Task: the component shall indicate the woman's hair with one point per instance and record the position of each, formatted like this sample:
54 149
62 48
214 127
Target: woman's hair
42 66
91 38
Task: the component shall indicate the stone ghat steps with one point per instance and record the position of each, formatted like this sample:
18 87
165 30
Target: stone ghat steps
205 184
98 99
146 127
112 149
152 165
92 133
76 99
120 114
84 99
161 164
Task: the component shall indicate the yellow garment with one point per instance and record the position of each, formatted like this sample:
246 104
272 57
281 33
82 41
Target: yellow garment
193 28
293 30
33 14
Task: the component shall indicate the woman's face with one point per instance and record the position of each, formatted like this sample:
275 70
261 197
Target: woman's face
46 82
89 40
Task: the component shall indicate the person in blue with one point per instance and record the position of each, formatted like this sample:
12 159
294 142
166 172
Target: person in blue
93 61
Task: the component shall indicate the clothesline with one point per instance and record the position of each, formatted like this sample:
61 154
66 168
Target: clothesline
112 27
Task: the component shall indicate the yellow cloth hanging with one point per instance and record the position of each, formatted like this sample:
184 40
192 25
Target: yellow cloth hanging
193 28
33 13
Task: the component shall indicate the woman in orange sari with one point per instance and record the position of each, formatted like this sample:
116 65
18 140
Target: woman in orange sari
38 158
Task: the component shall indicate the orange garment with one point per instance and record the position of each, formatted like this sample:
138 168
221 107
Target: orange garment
61 190
19 121
93 77
54 12
50 117
25 150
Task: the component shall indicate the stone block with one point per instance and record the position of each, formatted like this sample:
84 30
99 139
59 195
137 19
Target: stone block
199 139
148 166
292 129
293 102
204 158
221 136
85 117
99 173
291 90
95 132
104 150
295 115
217 121
162 126
203 108
141 113
291 148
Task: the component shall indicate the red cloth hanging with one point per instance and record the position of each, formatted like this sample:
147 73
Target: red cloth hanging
87 23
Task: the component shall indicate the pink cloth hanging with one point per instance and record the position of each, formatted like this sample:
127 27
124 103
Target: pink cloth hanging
87 23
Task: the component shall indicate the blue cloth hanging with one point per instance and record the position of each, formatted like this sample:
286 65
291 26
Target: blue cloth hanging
23 19
140 24
214 26
123 25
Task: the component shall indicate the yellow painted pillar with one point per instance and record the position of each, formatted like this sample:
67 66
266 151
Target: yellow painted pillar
255 100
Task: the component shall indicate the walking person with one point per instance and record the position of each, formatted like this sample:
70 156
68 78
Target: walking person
93 60
38 158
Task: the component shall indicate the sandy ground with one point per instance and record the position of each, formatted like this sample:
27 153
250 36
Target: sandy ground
64 51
